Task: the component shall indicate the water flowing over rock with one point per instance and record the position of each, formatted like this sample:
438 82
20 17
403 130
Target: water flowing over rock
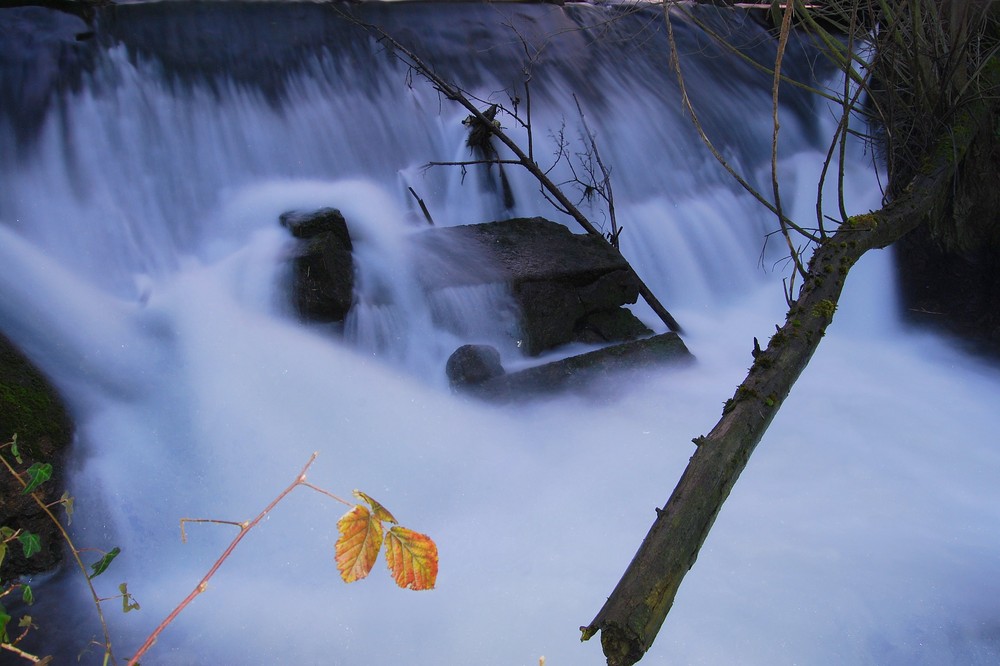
569 287
573 373
323 269
144 171
473 364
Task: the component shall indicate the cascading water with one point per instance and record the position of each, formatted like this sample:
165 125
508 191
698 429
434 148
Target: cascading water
144 171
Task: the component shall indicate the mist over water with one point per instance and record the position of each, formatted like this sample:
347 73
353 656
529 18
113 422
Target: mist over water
146 274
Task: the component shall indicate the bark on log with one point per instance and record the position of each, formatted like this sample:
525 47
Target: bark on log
633 614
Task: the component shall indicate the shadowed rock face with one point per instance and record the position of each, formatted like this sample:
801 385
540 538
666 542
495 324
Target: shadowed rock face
323 269
569 287
30 408
473 364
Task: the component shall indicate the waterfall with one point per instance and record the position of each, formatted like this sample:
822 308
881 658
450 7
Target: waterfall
144 170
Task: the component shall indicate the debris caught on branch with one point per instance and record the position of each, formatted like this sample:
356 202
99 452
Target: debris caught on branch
548 187
480 142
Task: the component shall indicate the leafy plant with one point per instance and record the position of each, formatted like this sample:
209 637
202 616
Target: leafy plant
412 557
31 479
30 545
38 474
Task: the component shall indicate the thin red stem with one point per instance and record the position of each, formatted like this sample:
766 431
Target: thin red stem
327 493
203 584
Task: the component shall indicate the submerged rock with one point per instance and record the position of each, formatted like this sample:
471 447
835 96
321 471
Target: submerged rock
323 268
473 364
577 372
569 287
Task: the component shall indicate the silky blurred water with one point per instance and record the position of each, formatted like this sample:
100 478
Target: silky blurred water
145 273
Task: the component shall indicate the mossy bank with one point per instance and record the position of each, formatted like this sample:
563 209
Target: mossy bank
31 409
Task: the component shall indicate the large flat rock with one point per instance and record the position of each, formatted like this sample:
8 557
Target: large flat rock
520 250
569 287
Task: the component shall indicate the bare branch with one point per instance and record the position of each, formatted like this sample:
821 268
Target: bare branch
454 93
468 163
686 101
203 583
633 614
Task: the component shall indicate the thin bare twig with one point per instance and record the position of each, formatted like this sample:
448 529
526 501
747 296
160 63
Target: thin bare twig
322 491
203 583
208 520
602 185
686 101
786 26
455 93
27 656
465 163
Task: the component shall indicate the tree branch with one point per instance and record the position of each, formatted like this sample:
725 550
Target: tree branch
453 92
202 585
633 614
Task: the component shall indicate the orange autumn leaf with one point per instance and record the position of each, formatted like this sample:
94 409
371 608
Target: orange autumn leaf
381 512
412 558
359 543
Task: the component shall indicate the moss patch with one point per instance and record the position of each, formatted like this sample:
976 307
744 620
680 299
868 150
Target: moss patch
30 407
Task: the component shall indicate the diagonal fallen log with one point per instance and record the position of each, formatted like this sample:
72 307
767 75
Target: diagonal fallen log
633 614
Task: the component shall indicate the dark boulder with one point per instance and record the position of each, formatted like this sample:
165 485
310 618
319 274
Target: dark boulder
323 268
473 364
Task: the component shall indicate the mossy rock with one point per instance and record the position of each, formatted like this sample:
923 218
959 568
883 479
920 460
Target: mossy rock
31 409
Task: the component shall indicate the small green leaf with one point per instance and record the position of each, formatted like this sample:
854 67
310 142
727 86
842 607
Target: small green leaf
4 619
128 601
15 450
67 501
38 474
25 621
31 543
27 596
102 564
6 534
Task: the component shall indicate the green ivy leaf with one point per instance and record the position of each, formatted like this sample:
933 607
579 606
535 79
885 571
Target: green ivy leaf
101 565
128 601
4 619
67 501
6 534
15 450
27 596
38 474
31 543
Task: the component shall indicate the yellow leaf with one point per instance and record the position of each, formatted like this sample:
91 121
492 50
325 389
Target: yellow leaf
359 543
380 511
412 558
